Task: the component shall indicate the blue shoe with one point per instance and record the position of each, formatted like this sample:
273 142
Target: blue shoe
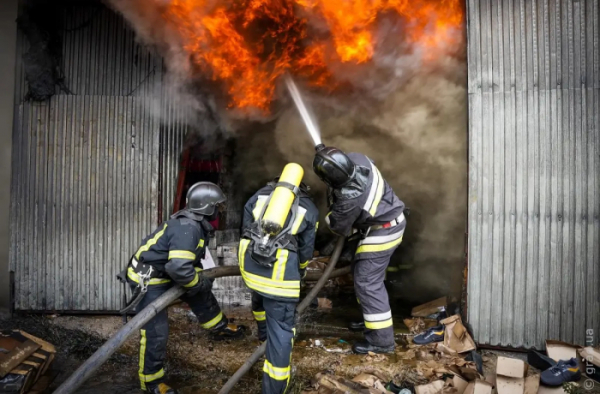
433 334
564 371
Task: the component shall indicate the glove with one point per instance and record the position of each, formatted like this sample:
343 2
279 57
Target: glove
204 284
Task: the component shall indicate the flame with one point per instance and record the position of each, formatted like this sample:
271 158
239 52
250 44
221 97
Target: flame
248 44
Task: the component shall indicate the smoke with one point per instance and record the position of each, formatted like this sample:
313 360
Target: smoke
417 136
406 109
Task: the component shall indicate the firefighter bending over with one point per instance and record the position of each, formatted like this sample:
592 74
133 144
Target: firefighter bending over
364 207
171 255
278 238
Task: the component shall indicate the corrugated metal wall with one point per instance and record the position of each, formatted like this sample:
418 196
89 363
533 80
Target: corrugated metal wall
85 169
534 178
172 139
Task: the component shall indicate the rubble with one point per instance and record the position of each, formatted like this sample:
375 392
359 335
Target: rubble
430 309
24 362
419 324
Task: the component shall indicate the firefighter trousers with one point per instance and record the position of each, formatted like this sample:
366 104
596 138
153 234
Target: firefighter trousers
369 268
275 320
154 334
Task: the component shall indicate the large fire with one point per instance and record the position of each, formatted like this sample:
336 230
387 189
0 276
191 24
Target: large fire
248 44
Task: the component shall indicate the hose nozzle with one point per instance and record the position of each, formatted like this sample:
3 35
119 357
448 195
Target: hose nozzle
320 147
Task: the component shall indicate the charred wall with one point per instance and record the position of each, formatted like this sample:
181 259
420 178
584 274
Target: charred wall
8 30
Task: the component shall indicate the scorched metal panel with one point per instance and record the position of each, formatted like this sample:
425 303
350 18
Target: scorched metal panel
85 169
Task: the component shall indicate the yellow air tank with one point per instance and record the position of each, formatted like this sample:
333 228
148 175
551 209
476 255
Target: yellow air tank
282 199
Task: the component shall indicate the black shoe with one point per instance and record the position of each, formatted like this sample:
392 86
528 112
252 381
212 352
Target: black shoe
357 326
564 371
160 388
227 331
366 347
539 360
433 334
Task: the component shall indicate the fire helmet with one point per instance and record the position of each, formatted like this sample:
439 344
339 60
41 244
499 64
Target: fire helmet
203 198
333 166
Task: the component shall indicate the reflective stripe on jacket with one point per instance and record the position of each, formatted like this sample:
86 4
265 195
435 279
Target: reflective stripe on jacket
376 205
282 281
175 248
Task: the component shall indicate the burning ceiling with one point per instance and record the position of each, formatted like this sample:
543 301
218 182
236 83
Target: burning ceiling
246 45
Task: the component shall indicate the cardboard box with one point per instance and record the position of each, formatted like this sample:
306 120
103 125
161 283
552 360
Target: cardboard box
550 390
510 376
511 367
431 388
430 308
590 355
458 383
532 384
461 343
479 387
590 362
558 350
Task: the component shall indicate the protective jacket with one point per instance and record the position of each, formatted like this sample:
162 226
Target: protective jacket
368 208
367 204
282 281
174 250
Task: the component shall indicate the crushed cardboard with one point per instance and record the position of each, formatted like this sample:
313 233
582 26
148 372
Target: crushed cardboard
418 325
430 308
510 375
324 303
532 384
511 367
430 388
590 355
461 343
559 350
457 383
371 382
478 387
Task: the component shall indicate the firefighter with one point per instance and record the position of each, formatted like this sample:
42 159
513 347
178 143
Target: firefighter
171 255
273 268
364 207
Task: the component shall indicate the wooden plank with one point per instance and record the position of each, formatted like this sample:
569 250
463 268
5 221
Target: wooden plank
16 356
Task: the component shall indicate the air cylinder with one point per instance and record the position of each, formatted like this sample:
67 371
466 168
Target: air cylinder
282 199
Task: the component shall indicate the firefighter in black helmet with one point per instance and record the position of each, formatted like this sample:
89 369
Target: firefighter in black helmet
171 255
274 278
364 207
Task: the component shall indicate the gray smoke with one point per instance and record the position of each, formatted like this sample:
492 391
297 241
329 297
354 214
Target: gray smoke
417 136
408 114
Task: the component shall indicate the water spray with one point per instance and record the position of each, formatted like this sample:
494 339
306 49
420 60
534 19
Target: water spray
310 124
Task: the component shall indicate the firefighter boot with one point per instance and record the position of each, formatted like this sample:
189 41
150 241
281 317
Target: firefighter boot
366 347
225 330
160 388
357 326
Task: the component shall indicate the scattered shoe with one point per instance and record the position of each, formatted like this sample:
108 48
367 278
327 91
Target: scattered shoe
366 347
433 334
227 331
160 388
564 371
539 360
357 326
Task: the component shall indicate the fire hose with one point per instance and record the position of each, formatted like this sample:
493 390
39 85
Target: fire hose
145 315
258 353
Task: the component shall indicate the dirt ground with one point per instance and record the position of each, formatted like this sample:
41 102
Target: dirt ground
198 365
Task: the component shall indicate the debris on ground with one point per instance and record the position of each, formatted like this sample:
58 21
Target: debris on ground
456 336
431 309
324 303
510 375
24 362
591 361
417 325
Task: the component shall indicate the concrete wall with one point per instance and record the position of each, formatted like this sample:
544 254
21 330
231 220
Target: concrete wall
8 34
